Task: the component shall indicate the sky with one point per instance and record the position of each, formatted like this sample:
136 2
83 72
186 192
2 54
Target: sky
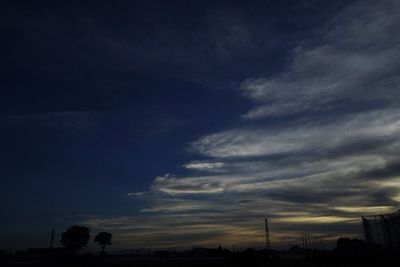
174 124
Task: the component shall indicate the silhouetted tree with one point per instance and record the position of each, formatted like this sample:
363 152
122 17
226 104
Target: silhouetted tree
75 238
103 239
352 248
349 244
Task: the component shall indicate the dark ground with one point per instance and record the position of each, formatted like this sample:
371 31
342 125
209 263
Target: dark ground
211 258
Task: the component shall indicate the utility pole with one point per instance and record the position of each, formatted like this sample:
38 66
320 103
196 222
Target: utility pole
267 242
52 238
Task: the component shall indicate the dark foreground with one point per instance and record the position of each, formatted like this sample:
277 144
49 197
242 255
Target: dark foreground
212 257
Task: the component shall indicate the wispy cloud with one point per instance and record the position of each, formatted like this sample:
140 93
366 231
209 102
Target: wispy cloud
319 148
71 120
312 136
354 66
47 115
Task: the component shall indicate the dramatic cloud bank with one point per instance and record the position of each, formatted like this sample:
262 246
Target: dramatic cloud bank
319 149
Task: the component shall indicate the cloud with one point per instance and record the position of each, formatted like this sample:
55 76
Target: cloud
319 148
48 115
168 231
75 121
204 166
173 186
315 219
311 137
358 56
209 38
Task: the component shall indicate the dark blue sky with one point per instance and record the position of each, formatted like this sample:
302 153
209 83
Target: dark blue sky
132 116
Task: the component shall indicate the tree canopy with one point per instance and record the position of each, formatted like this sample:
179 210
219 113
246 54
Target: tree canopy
75 238
103 239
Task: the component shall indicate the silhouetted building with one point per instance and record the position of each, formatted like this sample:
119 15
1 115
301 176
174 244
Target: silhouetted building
382 229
